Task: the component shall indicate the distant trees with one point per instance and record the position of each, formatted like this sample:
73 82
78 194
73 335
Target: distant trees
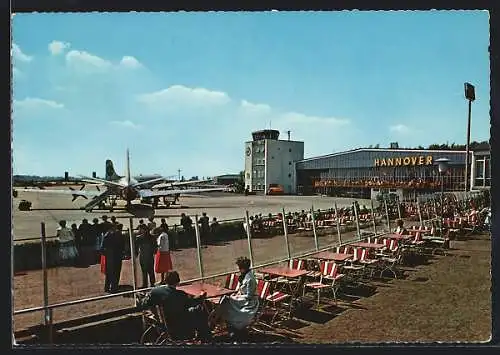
483 145
239 185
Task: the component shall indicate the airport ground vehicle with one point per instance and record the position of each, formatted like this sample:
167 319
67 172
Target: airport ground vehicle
275 189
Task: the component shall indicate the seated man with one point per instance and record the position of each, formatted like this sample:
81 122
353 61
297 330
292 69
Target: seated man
184 314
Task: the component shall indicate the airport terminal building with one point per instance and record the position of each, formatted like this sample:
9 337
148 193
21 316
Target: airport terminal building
365 172
362 173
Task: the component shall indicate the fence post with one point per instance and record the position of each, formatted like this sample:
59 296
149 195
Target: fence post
337 220
249 237
387 216
198 246
285 231
132 255
373 218
47 318
419 214
316 245
357 219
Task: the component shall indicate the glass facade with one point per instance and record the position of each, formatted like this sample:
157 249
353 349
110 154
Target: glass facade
376 168
259 165
482 171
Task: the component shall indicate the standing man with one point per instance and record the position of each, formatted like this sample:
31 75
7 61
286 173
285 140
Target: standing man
112 249
146 244
86 245
187 226
151 224
204 227
95 232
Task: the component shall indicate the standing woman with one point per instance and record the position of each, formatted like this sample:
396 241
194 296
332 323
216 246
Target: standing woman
163 262
239 309
67 247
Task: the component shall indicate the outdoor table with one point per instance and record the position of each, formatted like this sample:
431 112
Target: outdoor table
398 236
213 291
367 245
326 255
415 231
287 272
283 271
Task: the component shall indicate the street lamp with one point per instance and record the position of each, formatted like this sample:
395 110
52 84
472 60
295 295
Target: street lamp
443 168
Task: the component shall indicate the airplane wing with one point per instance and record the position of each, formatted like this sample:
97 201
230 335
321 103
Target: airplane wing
102 181
150 193
148 181
70 191
178 183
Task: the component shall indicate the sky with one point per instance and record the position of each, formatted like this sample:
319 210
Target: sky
185 90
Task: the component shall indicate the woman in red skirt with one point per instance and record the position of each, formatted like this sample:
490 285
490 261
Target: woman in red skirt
163 262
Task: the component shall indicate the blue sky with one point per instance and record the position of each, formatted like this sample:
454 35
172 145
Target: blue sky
185 90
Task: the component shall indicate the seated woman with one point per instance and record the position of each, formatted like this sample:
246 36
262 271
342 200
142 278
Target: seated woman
239 309
401 230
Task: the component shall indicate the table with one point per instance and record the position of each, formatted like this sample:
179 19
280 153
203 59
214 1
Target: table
415 231
196 289
326 255
283 271
367 245
398 236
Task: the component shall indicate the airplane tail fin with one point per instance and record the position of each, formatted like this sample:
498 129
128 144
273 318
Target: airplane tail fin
110 171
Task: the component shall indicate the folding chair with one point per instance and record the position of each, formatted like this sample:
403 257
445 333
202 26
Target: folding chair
329 272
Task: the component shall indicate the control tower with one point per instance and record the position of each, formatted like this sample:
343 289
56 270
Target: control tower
269 160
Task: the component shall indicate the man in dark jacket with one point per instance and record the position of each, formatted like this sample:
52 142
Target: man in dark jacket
184 314
112 248
146 245
204 227
87 243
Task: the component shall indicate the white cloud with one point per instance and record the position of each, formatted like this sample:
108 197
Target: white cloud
82 59
18 54
251 108
36 103
125 124
179 94
58 47
130 62
399 128
299 118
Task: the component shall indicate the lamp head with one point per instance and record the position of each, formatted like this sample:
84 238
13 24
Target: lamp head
442 165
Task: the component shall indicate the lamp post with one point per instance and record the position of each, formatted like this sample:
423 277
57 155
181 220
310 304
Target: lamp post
443 168
470 95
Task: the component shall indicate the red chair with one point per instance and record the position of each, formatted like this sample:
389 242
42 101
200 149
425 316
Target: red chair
232 282
329 273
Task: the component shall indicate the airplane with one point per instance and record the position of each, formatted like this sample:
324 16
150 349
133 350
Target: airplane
111 174
125 187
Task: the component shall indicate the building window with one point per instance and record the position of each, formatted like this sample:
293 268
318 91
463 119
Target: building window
289 175
290 150
289 163
272 157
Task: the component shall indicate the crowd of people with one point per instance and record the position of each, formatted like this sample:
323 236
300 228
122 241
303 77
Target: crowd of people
106 243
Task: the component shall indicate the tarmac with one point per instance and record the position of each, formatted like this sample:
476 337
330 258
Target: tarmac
223 206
